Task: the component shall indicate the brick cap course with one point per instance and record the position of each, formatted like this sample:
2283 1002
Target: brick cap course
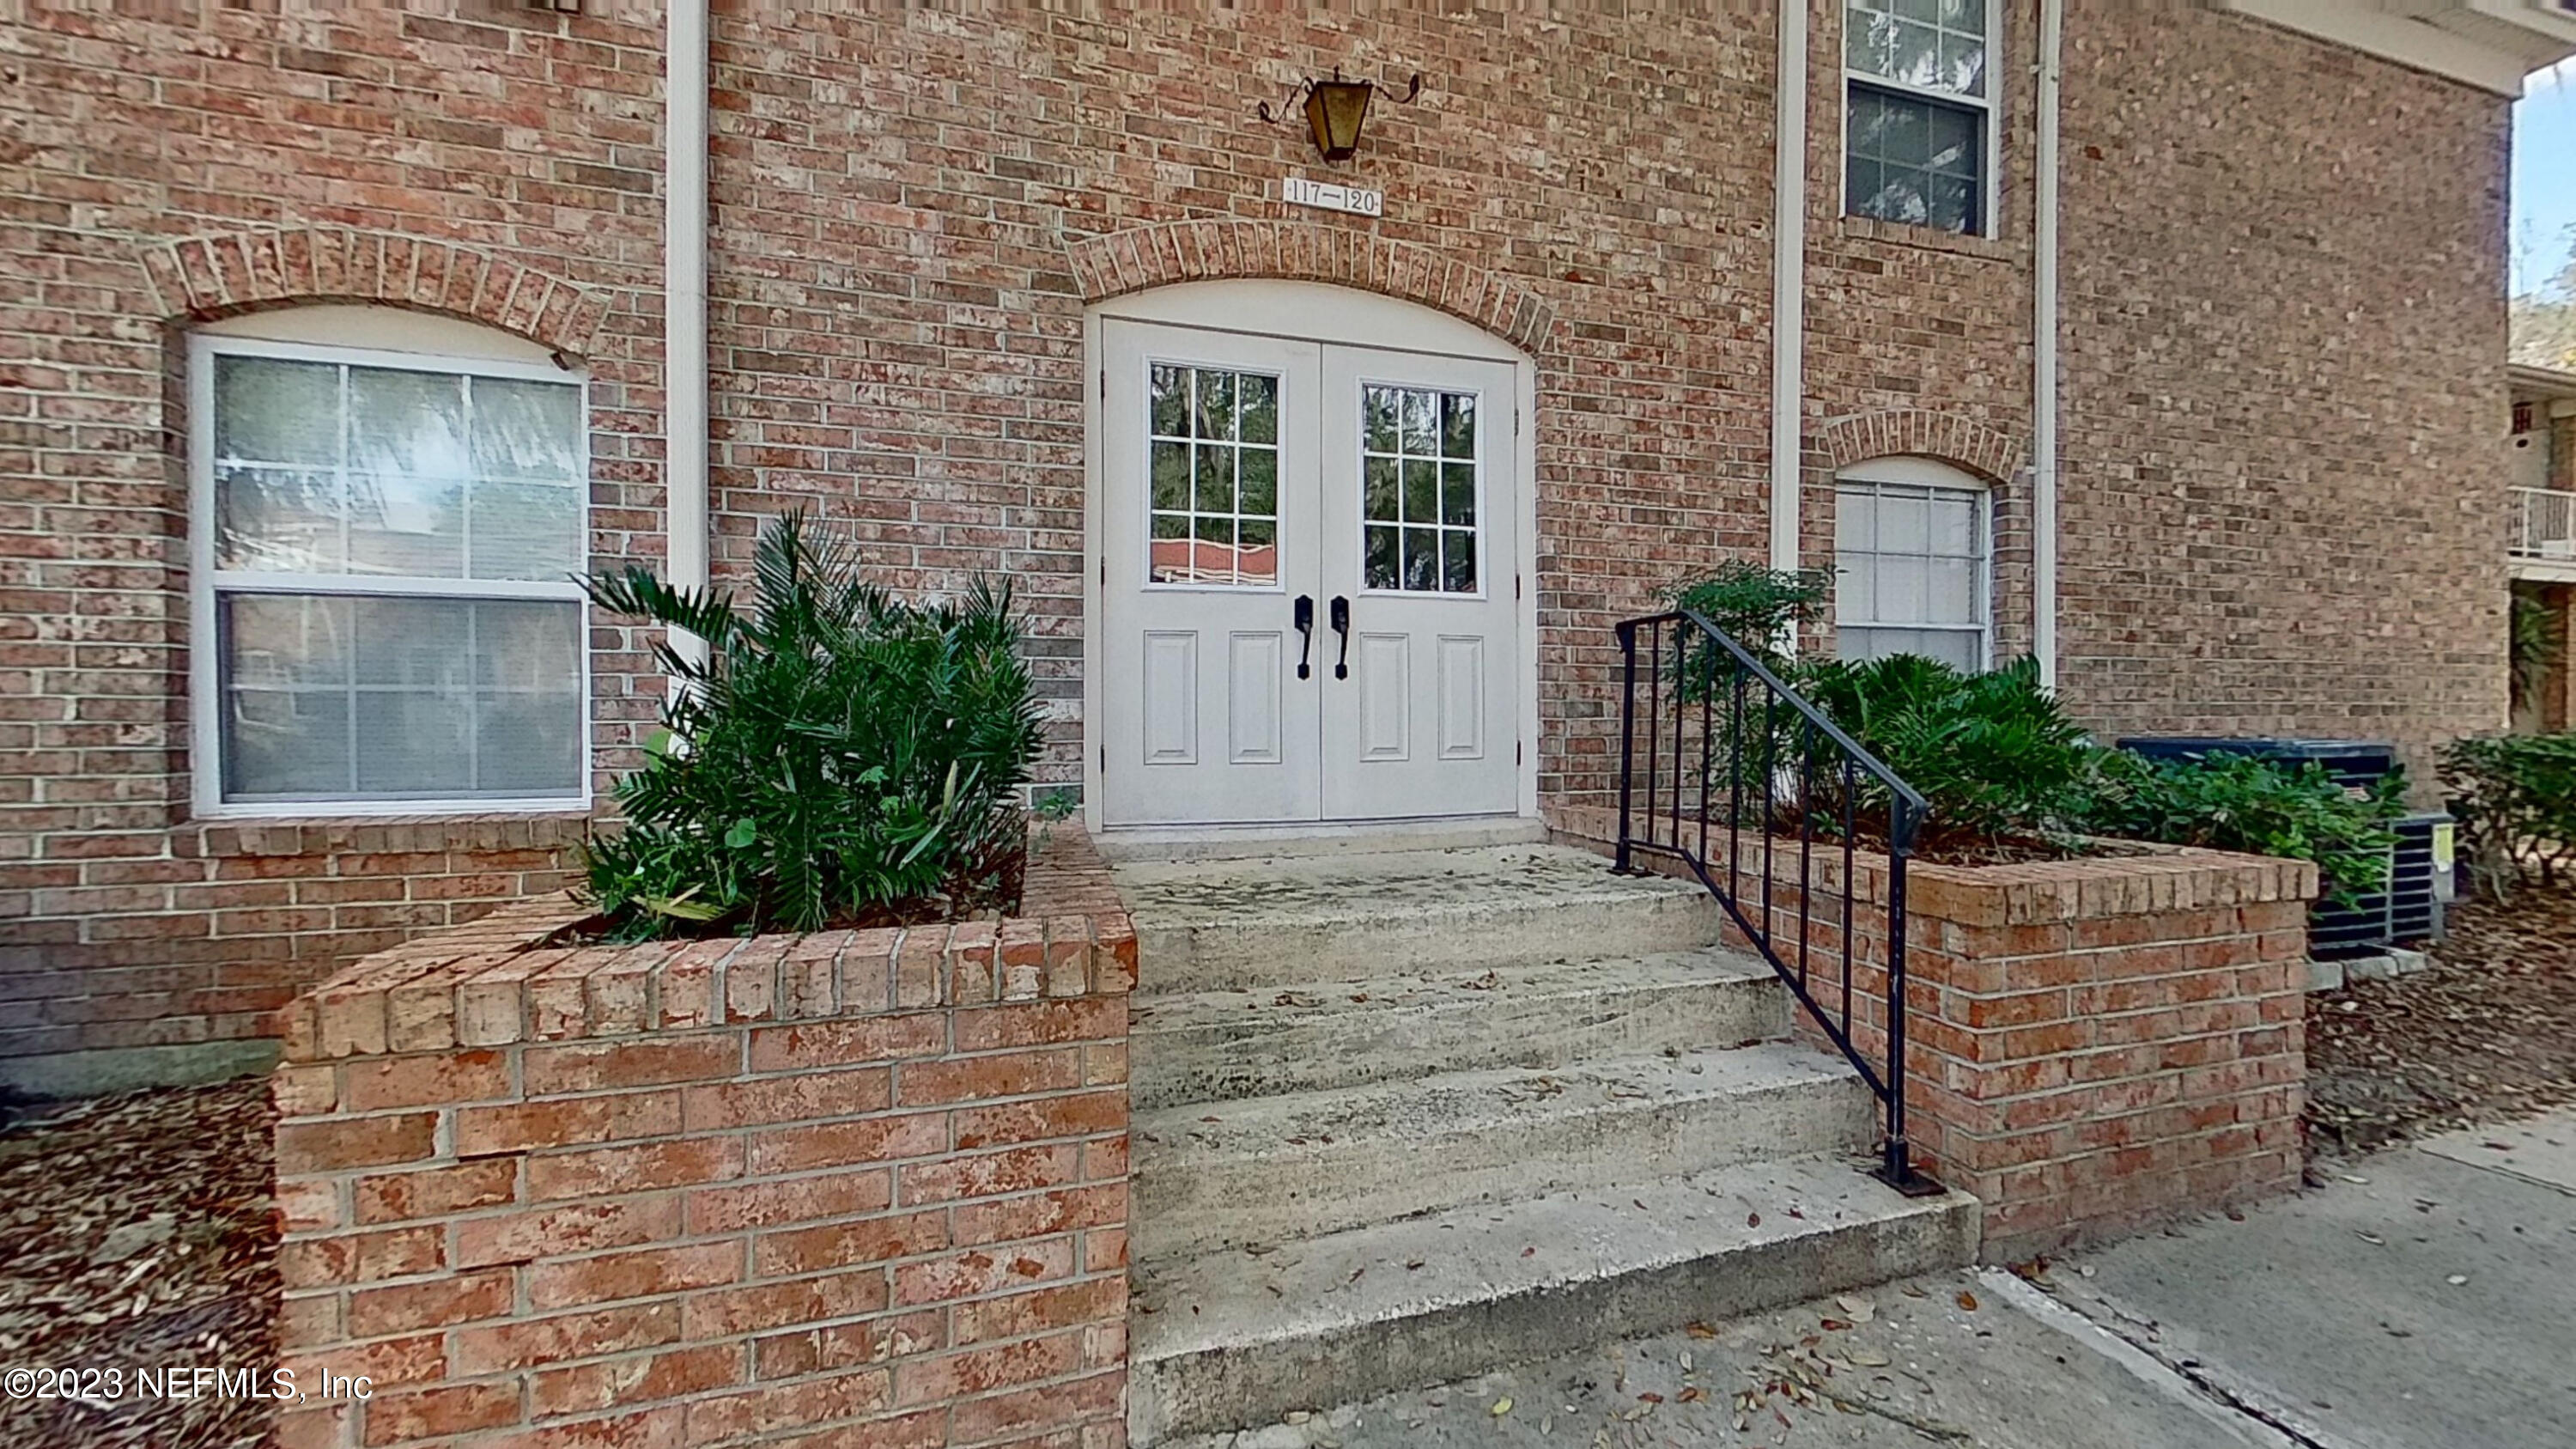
1921 432
496 981
2147 879
1115 263
218 275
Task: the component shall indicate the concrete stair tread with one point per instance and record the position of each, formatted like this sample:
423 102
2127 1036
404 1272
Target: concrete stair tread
1297 920
1499 1102
1450 988
1235 1337
1337 889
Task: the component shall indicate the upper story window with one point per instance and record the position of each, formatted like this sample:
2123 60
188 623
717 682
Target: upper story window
1911 542
1920 113
386 544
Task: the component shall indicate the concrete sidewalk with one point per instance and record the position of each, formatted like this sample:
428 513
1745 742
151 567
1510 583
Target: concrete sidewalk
2425 1298
1921 1367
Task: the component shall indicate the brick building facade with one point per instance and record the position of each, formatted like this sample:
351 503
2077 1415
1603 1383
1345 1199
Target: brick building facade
2279 416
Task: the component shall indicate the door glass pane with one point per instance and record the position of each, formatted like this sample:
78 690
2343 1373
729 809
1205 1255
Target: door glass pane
1256 554
1260 401
1379 571
1458 494
1458 560
1212 477
1419 451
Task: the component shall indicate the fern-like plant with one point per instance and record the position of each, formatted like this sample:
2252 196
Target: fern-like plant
840 751
1994 753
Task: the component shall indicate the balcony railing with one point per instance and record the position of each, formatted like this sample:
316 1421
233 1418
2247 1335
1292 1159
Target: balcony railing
2545 524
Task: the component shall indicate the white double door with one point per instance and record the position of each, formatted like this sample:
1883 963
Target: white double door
1308 558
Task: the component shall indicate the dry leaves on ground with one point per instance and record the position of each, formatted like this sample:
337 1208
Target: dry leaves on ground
2488 1032
135 1230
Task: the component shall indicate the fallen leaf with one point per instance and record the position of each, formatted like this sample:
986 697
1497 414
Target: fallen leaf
1867 1359
1753 1220
1858 1310
1502 1407
1690 1394
1967 1300
1697 1329
1835 1325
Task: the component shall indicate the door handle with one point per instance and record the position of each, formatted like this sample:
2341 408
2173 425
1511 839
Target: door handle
1342 626
1305 631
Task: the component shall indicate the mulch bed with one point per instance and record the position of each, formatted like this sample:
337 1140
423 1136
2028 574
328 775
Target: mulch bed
136 1231
2487 1033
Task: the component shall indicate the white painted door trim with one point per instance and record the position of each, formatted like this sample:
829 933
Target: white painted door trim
1313 312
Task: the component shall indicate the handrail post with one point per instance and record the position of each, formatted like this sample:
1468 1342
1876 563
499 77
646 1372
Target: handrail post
1897 1168
1627 738
1884 1075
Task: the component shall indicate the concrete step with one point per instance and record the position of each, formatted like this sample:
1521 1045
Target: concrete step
1252 842
1268 1170
1289 921
1221 1046
1232 1339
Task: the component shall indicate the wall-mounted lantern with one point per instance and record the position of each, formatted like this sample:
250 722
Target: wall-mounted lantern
1336 109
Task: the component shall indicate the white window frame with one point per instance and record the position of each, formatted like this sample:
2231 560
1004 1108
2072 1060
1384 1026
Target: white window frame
1913 472
1990 167
207 583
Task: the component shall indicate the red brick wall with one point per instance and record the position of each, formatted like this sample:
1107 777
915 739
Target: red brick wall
189 160
2285 405
2272 414
2096 1046
2093 1045
715 1191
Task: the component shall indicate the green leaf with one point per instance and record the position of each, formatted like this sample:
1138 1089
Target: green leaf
681 907
743 833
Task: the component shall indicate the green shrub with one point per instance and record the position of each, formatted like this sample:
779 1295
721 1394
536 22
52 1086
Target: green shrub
840 750
1993 754
1757 607
2244 803
2515 799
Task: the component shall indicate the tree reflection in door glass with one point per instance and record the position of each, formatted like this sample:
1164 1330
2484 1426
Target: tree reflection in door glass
1213 484
1418 465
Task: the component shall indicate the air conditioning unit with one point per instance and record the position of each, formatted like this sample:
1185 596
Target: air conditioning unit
2408 906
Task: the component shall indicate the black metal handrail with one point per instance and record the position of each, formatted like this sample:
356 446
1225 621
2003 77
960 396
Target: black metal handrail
1759 746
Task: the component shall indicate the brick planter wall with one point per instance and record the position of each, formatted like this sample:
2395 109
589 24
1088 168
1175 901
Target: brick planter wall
717 1192
2093 1045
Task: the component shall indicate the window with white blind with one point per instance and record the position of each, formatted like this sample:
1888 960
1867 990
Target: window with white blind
386 547
1911 546
1919 112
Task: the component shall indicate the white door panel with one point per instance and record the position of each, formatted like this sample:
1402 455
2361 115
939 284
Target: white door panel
1418 523
1241 474
1207 539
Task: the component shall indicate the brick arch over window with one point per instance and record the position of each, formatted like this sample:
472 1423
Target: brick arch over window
1916 432
206 277
1120 262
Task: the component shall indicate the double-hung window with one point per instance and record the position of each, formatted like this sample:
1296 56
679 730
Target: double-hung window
386 611
1919 124
1910 562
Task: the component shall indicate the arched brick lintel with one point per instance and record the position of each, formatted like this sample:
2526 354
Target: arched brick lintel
1919 432
1116 263
200 278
